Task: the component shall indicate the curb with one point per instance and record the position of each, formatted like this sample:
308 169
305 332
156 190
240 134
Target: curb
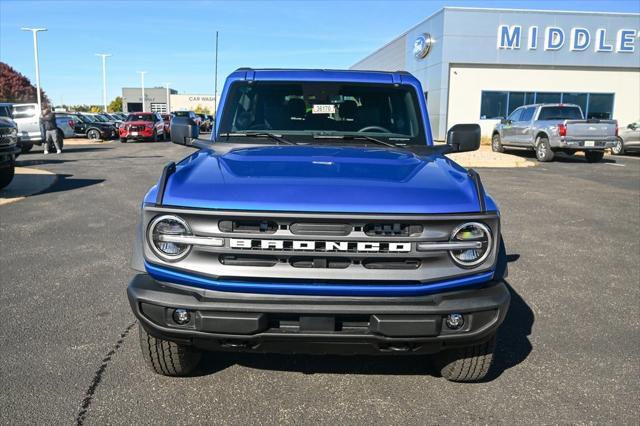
26 182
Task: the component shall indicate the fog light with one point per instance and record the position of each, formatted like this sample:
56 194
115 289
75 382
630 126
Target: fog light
181 316
454 321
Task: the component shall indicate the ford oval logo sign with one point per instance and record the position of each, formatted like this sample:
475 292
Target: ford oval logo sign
422 46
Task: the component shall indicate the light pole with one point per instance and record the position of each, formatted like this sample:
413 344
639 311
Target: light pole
35 54
104 78
168 99
142 73
215 83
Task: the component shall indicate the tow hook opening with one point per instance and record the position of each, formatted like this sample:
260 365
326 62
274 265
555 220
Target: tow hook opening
399 347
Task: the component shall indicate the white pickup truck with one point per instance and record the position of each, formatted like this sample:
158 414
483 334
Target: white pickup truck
551 128
27 118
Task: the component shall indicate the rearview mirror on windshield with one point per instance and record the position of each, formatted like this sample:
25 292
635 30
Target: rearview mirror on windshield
184 130
464 137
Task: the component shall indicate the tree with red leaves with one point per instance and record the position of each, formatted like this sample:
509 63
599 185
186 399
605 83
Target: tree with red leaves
16 88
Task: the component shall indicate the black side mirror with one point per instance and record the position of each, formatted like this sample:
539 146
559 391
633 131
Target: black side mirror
464 137
631 126
183 130
505 121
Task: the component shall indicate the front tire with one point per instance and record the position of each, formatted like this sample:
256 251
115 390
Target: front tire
167 358
6 175
618 148
543 150
467 364
93 134
594 156
496 144
123 140
26 147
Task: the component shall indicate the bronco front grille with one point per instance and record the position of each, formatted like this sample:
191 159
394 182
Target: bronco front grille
331 247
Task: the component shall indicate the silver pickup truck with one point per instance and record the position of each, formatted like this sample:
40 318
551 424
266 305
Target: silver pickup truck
551 128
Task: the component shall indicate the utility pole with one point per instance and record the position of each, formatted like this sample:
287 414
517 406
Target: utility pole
35 54
215 83
142 73
104 78
168 98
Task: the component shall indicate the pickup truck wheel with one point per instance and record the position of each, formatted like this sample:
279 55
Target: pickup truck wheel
467 364
594 156
496 144
618 148
166 357
123 140
26 147
543 150
6 175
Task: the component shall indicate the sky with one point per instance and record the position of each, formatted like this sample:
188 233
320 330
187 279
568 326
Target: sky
174 41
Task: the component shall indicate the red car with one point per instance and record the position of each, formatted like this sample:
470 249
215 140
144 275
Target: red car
143 126
167 123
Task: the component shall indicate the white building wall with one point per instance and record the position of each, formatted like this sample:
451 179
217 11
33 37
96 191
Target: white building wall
466 84
388 58
191 102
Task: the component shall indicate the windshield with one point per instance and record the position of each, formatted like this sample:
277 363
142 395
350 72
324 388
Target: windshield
139 117
560 113
5 111
87 118
182 113
329 109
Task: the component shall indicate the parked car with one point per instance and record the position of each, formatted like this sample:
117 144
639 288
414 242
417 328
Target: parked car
8 146
551 128
628 139
189 114
85 125
143 126
334 224
205 124
27 118
167 123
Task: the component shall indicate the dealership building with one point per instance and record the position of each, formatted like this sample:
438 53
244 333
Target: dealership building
161 99
478 65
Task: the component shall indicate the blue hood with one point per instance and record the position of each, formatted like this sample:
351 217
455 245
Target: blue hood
321 179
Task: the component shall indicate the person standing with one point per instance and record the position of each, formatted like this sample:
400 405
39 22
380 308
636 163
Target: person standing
50 130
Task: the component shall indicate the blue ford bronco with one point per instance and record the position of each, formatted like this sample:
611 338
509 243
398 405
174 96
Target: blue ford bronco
320 218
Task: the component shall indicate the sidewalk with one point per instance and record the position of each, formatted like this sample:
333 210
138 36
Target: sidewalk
27 181
485 157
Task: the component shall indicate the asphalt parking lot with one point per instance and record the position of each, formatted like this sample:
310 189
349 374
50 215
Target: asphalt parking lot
568 351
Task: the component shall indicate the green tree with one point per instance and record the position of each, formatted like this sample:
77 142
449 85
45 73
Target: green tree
200 110
115 105
95 108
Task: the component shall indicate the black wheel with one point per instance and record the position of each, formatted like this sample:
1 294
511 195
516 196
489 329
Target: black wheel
155 136
496 144
594 156
543 150
123 140
166 357
6 175
26 147
93 134
467 364
618 148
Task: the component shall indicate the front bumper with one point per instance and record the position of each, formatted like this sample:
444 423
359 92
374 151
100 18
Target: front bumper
312 324
140 134
8 154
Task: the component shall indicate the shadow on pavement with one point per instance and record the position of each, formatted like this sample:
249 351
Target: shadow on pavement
64 183
42 161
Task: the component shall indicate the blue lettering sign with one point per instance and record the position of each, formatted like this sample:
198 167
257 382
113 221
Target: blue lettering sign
533 38
601 42
580 39
509 37
625 41
554 38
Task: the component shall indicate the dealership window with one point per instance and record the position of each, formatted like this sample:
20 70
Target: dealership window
498 104
158 107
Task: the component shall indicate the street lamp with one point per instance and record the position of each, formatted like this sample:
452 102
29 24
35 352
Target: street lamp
35 54
104 78
142 73
168 98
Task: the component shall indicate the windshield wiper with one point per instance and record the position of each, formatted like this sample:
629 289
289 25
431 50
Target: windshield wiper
357 137
269 135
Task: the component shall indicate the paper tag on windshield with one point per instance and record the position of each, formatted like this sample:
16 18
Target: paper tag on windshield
324 109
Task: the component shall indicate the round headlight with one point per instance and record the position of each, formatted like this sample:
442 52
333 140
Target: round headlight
471 232
159 235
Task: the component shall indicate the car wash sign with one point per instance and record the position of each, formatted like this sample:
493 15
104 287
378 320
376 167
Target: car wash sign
512 37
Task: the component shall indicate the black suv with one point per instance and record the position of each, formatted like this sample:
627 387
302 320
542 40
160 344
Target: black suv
86 125
8 145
